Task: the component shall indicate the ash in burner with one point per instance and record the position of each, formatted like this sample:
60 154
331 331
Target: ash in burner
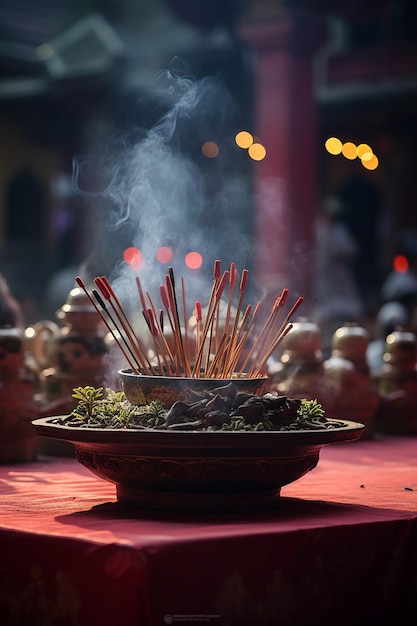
221 409
226 408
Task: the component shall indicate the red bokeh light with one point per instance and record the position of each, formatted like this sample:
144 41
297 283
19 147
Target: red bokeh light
400 263
133 256
164 254
210 149
193 260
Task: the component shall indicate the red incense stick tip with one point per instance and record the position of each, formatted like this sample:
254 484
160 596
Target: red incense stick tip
258 306
80 282
103 287
284 296
108 285
296 305
198 311
222 285
244 279
217 269
170 290
233 273
164 296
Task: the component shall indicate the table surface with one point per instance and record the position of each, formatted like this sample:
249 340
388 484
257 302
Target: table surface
340 537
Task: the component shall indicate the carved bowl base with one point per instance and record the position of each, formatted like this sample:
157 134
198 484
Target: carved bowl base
203 484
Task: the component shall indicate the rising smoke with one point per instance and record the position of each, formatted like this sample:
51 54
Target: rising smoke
152 187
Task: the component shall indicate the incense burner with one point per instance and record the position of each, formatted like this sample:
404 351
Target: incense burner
141 389
197 471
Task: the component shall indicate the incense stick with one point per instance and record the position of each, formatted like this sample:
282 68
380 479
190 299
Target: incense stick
231 346
159 337
131 362
135 344
215 296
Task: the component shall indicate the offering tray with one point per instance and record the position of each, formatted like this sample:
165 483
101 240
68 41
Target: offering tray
211 471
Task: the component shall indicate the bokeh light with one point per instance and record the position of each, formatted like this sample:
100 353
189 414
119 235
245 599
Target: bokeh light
333 145
30 332
193 260
349 150
133 256
164 254
372 163
210 149
45 51
364 152
257 152
244 139
400 263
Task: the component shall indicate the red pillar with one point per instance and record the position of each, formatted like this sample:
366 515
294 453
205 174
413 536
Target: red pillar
285 122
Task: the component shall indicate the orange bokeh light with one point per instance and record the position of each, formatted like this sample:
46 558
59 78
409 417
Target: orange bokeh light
164 254
349 150
193 260
400 263
257 152
371 164
364 152
244 139
333 145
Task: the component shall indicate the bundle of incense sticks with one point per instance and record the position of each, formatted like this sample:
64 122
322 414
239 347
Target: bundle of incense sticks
238 344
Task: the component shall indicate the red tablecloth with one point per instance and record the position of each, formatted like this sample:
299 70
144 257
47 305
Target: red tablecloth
340 548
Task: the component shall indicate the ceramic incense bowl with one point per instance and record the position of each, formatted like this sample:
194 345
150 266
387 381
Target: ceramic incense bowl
140 389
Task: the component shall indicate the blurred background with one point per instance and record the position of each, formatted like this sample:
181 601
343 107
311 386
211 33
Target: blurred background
324 90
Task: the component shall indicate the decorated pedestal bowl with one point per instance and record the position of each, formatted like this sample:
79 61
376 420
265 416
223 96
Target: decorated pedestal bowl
172 462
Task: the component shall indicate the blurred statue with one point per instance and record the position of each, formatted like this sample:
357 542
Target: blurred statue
397 383
10 312
354 396
18 383
70 355
337 294
391 316
299 372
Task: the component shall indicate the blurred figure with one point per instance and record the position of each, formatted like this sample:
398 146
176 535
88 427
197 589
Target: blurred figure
391 316
57 289
337 294
18 383
401 286
10 312
23 260
363 216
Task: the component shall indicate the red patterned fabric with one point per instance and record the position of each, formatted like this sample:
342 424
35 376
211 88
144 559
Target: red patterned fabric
340 548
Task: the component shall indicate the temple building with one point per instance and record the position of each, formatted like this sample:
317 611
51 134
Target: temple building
298 74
